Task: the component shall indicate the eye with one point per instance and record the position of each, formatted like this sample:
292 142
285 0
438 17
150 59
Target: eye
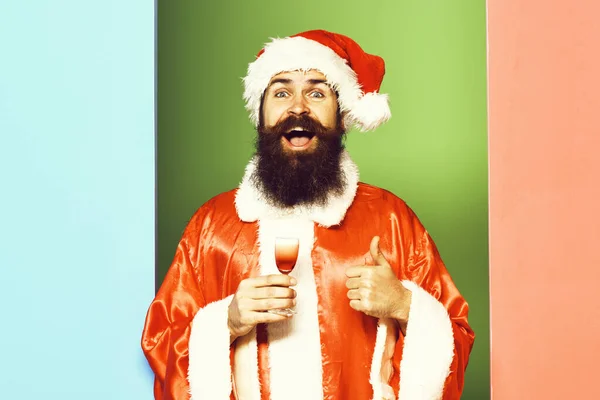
317 95
281 94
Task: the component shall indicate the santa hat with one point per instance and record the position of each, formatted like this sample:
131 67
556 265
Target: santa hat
355 75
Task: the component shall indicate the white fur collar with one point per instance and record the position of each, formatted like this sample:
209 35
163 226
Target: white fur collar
251 205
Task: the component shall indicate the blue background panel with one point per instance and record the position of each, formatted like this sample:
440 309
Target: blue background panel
77 201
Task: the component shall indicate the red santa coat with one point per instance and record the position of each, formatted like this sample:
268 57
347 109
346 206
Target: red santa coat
327 350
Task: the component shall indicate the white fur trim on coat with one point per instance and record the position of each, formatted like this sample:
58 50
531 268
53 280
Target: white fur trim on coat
299 53
245 369
209 372
296 372
381 390
428 347
251 205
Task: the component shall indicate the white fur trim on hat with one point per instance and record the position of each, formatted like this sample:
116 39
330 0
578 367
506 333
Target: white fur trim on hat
372 110
365 111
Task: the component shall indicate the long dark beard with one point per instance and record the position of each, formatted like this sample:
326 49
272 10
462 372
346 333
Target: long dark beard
289 178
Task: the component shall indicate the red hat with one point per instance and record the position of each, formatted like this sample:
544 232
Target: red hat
354 74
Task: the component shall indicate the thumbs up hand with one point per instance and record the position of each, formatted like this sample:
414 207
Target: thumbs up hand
376 291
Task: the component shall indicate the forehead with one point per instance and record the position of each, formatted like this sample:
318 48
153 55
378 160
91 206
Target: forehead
299 77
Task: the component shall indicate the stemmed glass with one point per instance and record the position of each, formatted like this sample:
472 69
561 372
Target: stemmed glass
286 256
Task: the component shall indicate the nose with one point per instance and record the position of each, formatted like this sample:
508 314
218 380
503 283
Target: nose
299 106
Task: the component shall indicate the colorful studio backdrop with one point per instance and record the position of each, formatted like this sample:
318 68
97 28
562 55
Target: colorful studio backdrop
118 119
432 153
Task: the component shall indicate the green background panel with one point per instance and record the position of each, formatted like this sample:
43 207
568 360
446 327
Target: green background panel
432 153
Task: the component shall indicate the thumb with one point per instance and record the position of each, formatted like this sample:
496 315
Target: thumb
376 252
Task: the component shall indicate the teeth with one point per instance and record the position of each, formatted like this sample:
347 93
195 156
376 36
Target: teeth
296 129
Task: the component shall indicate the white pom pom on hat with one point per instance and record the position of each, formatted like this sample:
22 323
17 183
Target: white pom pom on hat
354 74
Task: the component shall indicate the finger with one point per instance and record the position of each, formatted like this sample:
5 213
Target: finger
354 294
353 283
267 318
272 304
357 271
356 304
270 280
376 253
269 292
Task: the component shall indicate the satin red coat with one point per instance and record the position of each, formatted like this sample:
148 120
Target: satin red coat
218 250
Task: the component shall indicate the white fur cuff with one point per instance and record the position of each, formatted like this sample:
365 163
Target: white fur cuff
209 372
428 347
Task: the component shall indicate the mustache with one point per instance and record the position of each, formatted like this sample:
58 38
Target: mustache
304 122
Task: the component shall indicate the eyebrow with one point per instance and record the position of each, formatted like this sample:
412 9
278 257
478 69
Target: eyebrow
288 81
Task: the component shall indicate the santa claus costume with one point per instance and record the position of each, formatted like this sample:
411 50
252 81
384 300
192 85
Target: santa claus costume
327 350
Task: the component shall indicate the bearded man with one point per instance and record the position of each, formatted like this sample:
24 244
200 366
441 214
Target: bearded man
375 312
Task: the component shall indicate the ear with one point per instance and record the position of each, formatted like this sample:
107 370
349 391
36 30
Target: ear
260 109
344 122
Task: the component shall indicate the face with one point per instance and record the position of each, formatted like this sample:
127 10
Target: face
301 95
299 141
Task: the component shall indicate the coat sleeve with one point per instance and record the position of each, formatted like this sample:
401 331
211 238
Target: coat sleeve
186 337
438 341
168 324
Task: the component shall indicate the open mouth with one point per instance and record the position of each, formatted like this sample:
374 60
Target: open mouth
298 139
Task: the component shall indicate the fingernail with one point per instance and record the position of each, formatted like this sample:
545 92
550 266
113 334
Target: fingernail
293 281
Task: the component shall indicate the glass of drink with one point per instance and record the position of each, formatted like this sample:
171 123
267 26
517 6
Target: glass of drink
286 255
